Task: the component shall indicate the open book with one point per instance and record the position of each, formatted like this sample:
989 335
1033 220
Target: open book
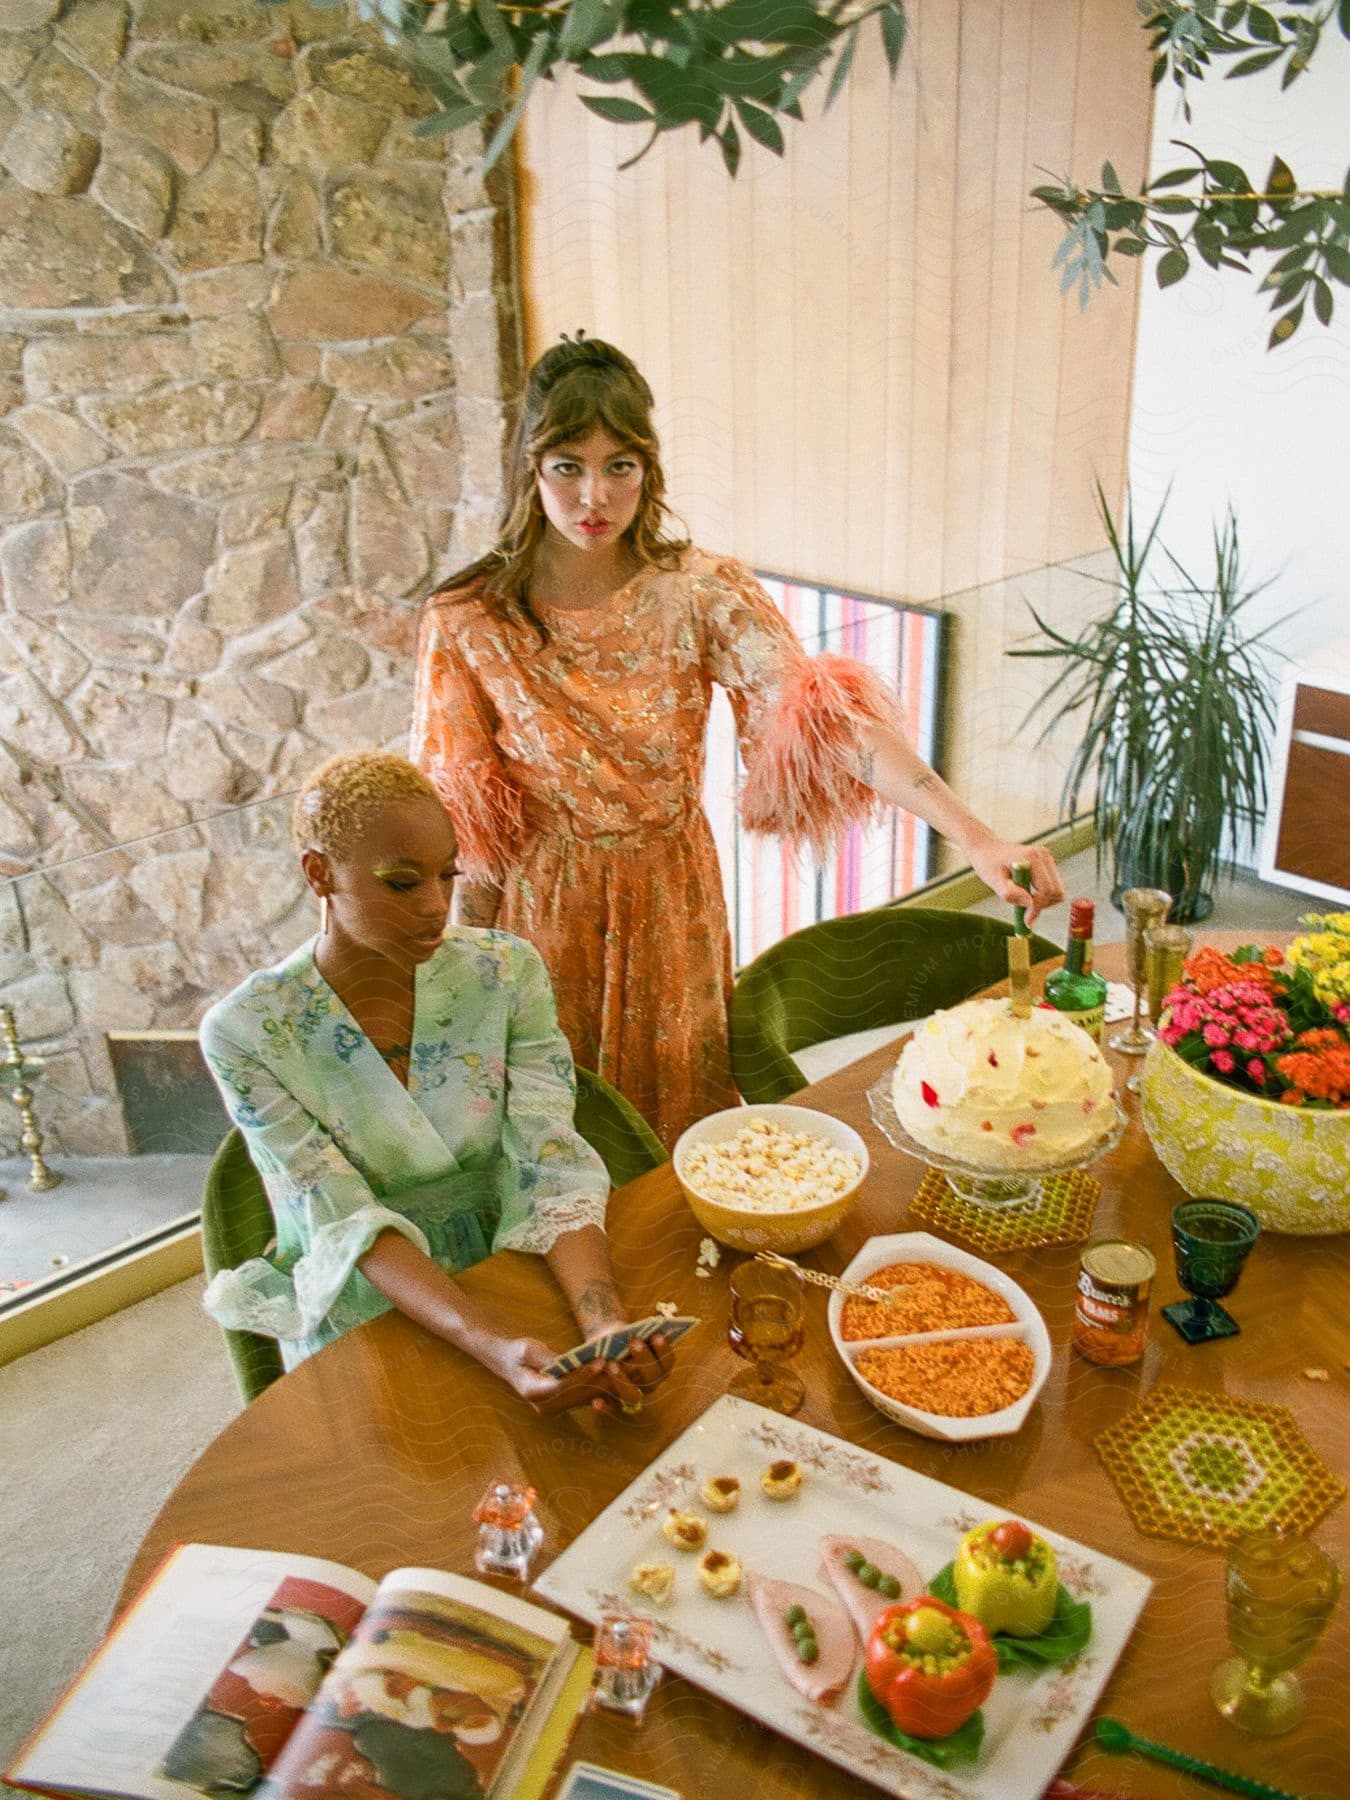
288 1677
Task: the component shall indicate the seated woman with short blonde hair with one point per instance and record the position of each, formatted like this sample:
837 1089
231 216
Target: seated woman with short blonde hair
407 1097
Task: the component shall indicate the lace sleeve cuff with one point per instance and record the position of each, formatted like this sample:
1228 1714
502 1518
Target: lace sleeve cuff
551 1219
257 1296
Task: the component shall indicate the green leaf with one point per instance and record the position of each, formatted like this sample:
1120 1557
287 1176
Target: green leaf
762 126
489 16
451 119
843 64
961 1746
1229 175
1252 65
770 22
894 27
606 68
1110 180
730 142
1343 17
588 23
1262 25
1129 246
1337 259
541 51
1284 328
1281 178
1173 178
1323 303
617 111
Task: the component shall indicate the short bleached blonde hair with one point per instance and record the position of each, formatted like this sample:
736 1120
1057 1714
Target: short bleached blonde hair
339 796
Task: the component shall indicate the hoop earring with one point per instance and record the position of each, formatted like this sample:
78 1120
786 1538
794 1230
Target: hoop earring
323 915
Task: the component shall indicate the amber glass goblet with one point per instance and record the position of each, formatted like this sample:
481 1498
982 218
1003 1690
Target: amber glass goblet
767 1327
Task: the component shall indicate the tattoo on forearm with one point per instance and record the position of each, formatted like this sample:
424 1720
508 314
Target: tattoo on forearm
599 1299
927 780
867 768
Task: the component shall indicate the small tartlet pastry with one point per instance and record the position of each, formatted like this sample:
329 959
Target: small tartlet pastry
684 1529
720 1573
721 1493
781 1480
654 1581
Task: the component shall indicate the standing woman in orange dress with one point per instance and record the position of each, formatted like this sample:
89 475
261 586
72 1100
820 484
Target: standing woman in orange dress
563 686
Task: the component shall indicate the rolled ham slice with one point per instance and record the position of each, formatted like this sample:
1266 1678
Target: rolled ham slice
865 1604
824 1679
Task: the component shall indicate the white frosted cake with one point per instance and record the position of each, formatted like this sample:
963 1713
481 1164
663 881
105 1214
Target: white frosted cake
993 1091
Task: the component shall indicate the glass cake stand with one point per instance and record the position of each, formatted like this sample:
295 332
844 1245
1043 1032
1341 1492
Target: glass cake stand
997 1189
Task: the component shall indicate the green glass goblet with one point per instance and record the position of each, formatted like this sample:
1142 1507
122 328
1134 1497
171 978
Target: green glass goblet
1211 1239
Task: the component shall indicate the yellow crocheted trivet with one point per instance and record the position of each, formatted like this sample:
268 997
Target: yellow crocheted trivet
1203 1467
1061 1214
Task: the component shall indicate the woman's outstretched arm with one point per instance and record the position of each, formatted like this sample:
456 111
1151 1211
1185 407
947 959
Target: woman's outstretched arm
891 766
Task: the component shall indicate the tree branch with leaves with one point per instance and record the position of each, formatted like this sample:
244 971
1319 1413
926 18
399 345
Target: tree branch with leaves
737 68
1222 220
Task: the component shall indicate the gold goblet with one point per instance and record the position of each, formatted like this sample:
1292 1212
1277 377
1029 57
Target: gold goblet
767 1322
1280 1591
1143 907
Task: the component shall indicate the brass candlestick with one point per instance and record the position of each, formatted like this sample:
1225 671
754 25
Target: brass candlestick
15 1069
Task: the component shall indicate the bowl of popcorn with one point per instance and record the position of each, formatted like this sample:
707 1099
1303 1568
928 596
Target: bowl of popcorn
956 1350
770 1177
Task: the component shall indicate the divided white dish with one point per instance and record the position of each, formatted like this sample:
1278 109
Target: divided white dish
1029 1326
1032 1719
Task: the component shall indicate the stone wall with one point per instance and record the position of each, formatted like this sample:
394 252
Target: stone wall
255 335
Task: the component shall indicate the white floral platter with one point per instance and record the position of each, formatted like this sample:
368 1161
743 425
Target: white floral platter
1031 1719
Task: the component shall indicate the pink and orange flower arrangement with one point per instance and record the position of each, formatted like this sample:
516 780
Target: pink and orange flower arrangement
1269 1022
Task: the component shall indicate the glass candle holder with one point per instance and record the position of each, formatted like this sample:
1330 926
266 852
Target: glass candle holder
625 1670
1143 907
509 1533
1280 1592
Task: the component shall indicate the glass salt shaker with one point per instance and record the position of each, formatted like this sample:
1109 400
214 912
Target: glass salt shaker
625 1670
509 1532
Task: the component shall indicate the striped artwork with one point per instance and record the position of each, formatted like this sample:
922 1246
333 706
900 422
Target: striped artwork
770 892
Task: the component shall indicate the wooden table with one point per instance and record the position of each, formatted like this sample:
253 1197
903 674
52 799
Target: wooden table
375 1451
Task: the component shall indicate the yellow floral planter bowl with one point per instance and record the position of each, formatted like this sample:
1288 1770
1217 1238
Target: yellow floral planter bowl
759 1226
1289 1164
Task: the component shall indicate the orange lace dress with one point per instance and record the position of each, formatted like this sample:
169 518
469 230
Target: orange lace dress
573 773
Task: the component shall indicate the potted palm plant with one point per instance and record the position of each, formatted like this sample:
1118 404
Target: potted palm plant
1174 694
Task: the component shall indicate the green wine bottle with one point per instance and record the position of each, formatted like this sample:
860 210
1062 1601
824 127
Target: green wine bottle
1075 990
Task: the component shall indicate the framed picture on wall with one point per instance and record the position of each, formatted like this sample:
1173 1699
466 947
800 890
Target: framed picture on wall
769 891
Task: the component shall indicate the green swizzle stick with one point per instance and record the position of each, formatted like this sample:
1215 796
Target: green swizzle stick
1019 950
1118 1738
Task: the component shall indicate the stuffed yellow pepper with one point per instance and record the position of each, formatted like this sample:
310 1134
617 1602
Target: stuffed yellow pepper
1006 1578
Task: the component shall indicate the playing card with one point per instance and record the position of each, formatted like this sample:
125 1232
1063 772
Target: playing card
588 1781
609 1346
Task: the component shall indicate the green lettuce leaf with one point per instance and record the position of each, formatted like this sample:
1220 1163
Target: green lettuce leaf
961 1746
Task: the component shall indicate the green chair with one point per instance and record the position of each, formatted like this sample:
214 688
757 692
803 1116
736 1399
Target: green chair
237 1224
627 1144
871 969
237 1220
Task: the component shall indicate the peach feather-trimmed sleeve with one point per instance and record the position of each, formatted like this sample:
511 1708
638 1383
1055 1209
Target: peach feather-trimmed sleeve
801 719
453 743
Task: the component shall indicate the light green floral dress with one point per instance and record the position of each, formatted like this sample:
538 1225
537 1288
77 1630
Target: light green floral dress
478 1153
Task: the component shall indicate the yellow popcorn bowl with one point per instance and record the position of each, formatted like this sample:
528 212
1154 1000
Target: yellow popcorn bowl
745 1225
